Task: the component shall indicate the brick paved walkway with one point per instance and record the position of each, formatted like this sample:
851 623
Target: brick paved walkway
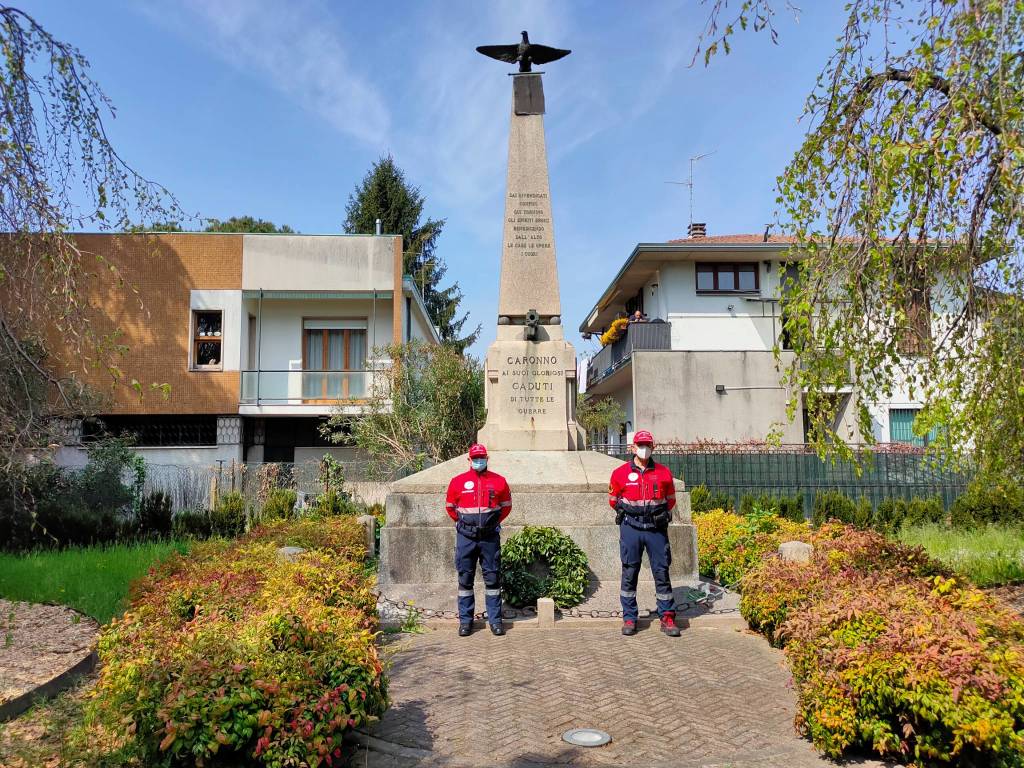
717 696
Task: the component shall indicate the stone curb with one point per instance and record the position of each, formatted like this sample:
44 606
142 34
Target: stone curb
56 684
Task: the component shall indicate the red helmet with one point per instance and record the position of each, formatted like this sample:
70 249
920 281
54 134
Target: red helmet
476 450
642 436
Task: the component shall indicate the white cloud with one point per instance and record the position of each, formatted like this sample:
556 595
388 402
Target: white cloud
296 47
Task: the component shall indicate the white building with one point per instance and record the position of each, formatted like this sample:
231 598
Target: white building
703 367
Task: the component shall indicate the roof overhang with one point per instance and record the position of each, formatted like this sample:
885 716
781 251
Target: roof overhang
272 294
645 260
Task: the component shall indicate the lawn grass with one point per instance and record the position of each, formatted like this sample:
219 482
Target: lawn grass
989 556
93 580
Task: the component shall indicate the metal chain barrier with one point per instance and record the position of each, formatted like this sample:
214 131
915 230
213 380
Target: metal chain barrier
705 596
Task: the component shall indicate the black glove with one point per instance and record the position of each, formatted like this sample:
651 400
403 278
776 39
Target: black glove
620 512
662 516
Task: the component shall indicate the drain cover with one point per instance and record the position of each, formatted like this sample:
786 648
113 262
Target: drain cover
586 737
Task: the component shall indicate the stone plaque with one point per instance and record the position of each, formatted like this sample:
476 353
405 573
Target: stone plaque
531 389
527 94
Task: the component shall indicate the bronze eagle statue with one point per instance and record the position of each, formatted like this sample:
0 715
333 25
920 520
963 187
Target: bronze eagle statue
525 52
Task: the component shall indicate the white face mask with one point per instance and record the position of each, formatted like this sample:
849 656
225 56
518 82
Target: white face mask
643 452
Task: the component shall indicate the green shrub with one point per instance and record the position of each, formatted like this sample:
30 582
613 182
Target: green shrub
228 517
155 514
280 504
192 524
235 656
336 503
704 500
62 507
893 514
988 502
836 505
546 549
789 507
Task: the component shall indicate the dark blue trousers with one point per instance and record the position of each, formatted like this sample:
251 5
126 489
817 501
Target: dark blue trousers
468 552
632 543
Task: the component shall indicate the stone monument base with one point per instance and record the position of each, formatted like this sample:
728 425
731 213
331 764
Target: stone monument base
564 489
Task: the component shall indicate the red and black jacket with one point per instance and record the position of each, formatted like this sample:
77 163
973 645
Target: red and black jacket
642 493
478 502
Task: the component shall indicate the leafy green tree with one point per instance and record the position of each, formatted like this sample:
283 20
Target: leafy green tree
385 194
248 225
598 414
905 199
427 407
58 174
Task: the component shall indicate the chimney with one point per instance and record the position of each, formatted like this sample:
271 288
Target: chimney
378 222
697 230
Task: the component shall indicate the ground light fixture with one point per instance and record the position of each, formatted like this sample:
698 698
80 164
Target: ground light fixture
586 737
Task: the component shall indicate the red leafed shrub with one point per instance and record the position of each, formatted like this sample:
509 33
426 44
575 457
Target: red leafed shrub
933 676
841 554
892 655
234 655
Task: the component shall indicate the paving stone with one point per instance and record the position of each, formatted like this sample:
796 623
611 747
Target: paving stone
714 697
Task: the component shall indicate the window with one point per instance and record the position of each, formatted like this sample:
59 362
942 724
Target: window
727 277
207 340
901 427
337 347
154 431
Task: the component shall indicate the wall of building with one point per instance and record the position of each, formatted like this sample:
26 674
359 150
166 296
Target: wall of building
150 312
706 323
307 262
677 401
183 456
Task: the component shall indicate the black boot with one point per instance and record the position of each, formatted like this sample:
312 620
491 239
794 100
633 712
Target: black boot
497 629
465 630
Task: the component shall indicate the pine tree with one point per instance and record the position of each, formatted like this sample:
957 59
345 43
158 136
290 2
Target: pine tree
385 194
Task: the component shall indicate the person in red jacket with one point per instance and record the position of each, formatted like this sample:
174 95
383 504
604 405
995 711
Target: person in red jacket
643 495
478 501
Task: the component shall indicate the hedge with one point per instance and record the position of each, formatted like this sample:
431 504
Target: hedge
889 653
235 654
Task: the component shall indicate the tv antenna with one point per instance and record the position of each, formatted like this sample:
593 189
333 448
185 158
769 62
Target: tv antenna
689 182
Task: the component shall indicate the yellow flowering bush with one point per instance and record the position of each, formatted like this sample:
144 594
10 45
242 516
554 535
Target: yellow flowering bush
730 545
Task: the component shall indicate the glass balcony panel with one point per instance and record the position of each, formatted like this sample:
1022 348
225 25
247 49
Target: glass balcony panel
305 387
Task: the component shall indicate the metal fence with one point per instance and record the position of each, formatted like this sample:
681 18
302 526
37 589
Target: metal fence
795 469
196 486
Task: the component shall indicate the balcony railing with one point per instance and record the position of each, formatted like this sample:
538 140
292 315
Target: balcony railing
268 387
617 354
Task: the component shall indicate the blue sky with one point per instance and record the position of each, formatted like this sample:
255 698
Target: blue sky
277 109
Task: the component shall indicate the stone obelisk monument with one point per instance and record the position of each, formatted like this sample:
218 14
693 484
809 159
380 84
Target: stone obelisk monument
530 368
531 431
